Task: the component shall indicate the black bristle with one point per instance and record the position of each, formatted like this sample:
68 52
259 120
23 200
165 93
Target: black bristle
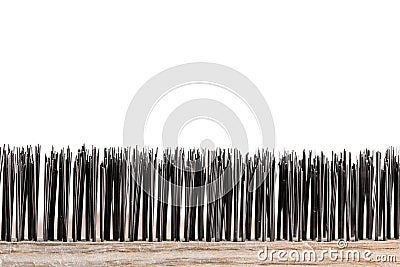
63 194
206 195
8 193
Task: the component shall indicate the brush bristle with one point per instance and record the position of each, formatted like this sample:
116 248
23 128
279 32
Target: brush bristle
133 194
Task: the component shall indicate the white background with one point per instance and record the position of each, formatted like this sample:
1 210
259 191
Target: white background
329 71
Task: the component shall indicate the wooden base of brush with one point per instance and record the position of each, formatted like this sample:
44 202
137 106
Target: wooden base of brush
198 253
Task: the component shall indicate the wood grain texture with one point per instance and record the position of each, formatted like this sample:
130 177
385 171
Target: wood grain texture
181 254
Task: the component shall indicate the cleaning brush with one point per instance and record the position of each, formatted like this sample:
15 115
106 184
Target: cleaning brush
143 194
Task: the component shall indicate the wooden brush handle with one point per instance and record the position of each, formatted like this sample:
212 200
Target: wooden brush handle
181 254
